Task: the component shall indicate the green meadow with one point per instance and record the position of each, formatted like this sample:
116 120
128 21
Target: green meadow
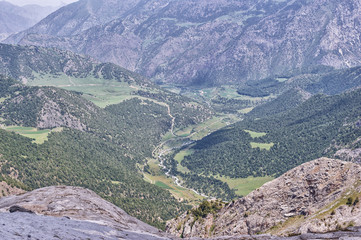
39 136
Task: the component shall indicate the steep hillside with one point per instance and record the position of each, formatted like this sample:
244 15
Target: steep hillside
209 42
282 103
318 196
85 145
271 145
78 16
76 213
102 83
14 19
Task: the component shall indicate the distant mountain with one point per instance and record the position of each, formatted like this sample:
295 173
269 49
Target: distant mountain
207 42
316 197
79 16
14 19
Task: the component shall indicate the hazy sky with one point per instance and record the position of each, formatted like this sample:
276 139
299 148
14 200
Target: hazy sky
40 2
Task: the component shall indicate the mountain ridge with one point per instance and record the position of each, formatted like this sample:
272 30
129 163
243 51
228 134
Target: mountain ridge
169 43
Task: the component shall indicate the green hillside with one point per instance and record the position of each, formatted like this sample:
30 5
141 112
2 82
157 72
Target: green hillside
98 148
294 136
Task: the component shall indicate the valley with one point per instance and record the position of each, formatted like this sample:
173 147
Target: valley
211 119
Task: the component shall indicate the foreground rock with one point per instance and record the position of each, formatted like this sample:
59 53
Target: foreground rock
72 213
318 197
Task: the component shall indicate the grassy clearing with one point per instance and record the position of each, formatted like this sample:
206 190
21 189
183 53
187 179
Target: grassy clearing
207 127
243 186
246 110
185 132
162 185
39 136
158 178
179 157
282 79
256 134
179 193
99 91
266 146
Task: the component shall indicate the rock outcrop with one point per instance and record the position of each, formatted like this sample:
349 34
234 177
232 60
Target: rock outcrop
74 209
318 196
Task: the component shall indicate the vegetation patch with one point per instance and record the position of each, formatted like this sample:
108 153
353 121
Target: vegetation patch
256 134
102 92
205 208
243 186
39 136
246 110
266 146
179 158
162 185
181 194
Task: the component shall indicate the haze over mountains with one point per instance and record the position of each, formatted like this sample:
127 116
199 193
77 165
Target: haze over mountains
15 19
206 42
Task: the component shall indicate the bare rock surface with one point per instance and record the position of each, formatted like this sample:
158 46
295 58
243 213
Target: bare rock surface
30 226
81 206
319 196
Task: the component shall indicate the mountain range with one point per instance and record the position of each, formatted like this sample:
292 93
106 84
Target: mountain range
176 112
206 42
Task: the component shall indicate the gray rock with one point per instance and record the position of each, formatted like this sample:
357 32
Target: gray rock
82 206
309 198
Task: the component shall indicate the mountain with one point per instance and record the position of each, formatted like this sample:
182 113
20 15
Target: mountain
69 212
315 197
14 19
79 16
208 42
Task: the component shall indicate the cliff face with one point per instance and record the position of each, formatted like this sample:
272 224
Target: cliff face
207 42
318 196
94 216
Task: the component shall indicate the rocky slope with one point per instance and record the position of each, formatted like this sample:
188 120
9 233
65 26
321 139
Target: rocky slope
318 196
77 213
209 42
14 19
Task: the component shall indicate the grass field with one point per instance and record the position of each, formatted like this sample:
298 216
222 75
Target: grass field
179 157
201 130
266 146
39 136
246 110
243 186
101 92
256 134
158 178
